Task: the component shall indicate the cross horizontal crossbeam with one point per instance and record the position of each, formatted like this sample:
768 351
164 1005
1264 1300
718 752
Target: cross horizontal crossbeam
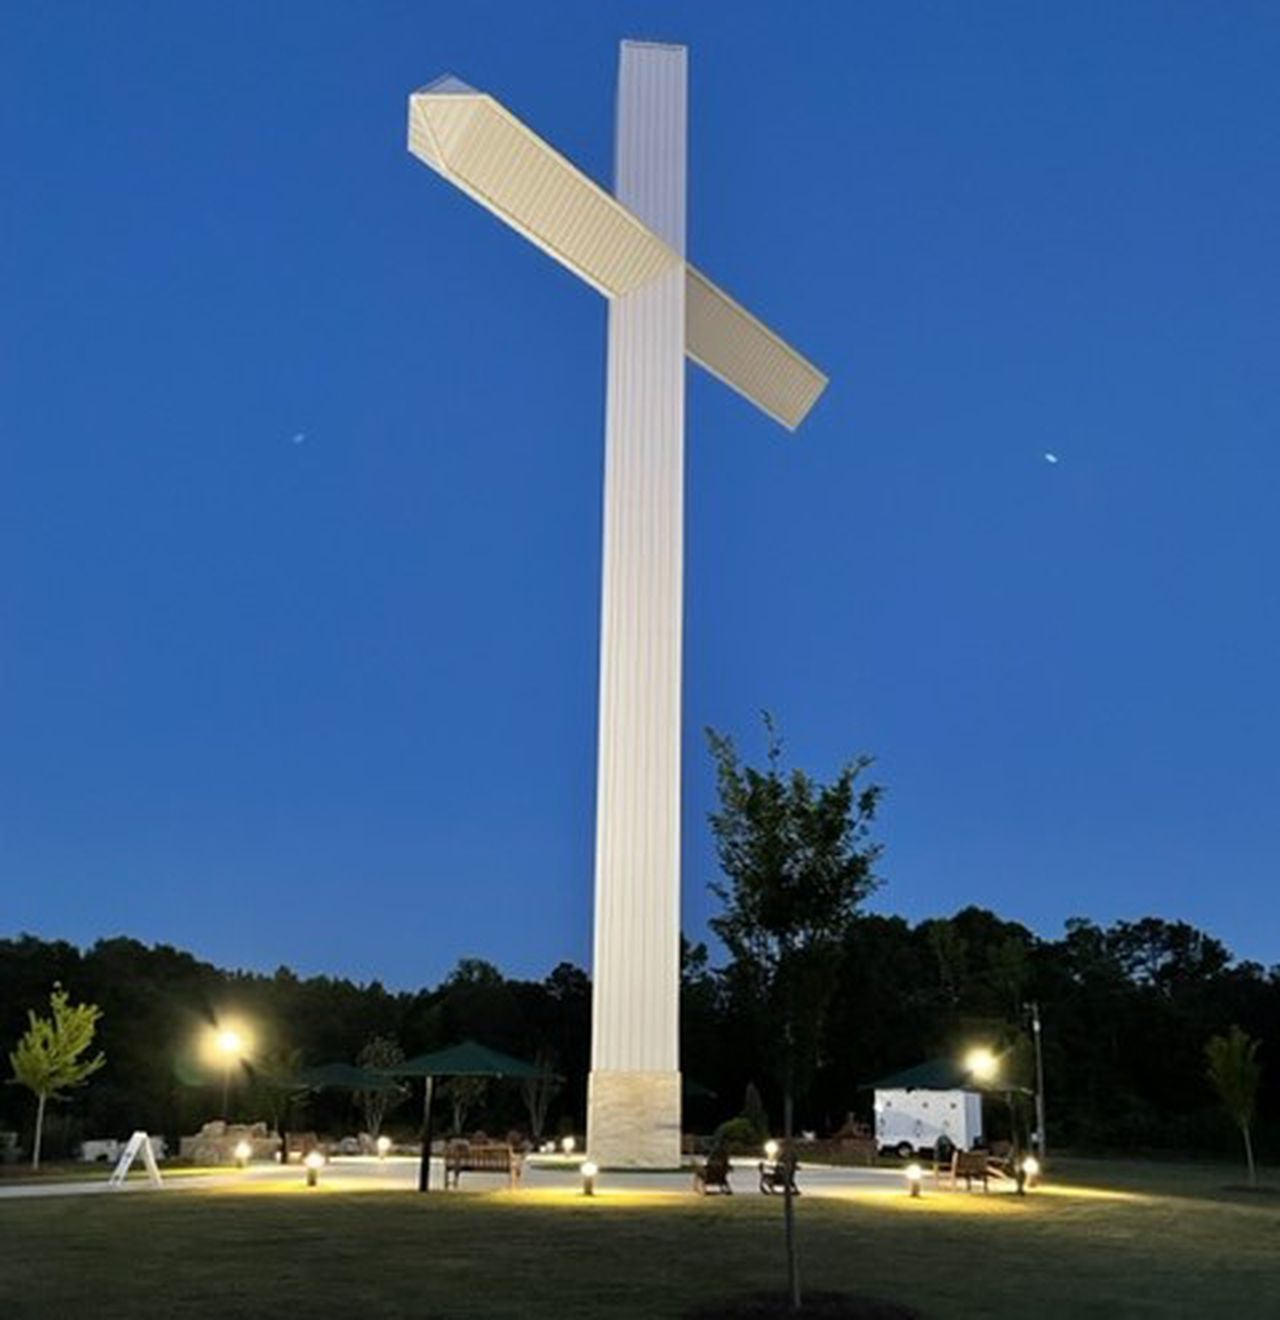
480 146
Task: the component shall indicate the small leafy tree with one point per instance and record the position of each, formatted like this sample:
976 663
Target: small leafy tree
463 1094
1234 1071
797 862
274 1090
379 1052
754 1112
47 1059
538 1092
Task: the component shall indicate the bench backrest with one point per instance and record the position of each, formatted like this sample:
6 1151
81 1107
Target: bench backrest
491 1156
969 1163
717 1167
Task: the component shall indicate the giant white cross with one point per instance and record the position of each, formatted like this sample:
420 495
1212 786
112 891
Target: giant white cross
629 245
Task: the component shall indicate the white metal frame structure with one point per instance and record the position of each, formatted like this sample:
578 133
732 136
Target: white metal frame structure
629 246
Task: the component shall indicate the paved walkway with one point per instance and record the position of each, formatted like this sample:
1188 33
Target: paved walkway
400 1173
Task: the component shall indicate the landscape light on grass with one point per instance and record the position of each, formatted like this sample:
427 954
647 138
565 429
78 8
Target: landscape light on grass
384 1147
242 1152
567 1145
1031 1167
914 1174
982 1063
589 1172
314 1162
771 1149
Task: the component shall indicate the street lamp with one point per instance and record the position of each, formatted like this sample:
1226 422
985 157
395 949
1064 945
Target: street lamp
982 1064
230 1046
1033 1008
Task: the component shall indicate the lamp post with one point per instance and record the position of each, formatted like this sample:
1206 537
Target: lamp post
1041 1149
230 1047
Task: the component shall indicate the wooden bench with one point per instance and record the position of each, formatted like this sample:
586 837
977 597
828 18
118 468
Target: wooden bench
713 1175
970 1164
475 1157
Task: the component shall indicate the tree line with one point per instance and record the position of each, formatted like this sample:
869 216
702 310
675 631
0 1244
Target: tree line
1127 1011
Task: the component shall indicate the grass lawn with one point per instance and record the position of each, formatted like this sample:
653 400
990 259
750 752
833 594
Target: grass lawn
1121 1240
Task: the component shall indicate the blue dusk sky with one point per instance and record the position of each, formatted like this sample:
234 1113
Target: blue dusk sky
301 465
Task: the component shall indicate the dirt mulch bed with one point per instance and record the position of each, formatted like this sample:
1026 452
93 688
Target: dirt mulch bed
817 1306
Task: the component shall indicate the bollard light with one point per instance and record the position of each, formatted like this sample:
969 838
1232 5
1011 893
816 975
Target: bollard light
771 1149
589 1172
567 1145
384 1147
1031 1167
314 1163
914 1176
243 1153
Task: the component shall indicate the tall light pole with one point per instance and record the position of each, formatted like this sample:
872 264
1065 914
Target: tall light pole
230 1047
1034 1009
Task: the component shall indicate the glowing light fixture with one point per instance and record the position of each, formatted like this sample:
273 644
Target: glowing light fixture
567 1145
589 1172
384 1147
982 1064
771 1149
242 1152
1031 1167
914 1175
224 1045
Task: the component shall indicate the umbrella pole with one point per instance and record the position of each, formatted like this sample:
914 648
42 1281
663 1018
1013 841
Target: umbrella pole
424 1169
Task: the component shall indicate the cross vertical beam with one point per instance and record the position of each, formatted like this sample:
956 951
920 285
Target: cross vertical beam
634 1091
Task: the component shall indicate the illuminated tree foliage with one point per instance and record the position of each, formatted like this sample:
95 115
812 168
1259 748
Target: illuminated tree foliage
797 862
47 1060
1234 1073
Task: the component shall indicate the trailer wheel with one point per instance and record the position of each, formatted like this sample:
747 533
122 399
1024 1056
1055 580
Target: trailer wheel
904 1150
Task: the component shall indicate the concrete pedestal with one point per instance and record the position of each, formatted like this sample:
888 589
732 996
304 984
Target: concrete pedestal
635 1119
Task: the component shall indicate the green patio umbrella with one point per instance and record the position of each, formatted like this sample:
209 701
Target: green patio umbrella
342 1077
468 1059
324 1077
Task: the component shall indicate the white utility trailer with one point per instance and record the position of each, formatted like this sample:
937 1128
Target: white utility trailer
909 1121
915 1108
